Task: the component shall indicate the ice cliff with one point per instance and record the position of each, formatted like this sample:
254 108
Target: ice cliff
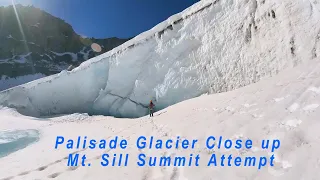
211 47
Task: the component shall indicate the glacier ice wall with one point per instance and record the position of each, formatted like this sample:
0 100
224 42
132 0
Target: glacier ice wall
211 47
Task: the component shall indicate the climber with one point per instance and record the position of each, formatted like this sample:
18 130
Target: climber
151 105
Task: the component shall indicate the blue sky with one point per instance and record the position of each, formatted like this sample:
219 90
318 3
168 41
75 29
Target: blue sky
109 18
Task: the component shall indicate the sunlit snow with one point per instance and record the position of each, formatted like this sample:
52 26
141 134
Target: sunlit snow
207 54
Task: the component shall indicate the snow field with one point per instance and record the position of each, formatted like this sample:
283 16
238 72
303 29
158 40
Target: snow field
230 114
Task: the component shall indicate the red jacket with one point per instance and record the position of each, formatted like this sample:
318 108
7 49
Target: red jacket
151 105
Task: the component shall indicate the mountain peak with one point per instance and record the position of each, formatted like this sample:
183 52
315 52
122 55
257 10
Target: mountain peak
34 41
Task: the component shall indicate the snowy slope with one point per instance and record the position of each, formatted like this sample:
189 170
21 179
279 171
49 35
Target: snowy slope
284 107
213 46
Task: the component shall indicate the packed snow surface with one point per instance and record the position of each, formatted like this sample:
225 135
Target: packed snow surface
213 46
250 112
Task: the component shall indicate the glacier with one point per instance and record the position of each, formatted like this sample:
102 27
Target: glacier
284 107
212 47
209 50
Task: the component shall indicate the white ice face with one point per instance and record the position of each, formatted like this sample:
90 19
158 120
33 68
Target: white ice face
209 47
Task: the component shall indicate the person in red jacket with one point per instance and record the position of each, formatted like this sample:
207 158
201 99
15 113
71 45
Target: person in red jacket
151 106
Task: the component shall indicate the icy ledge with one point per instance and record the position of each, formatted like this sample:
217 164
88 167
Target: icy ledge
213 46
